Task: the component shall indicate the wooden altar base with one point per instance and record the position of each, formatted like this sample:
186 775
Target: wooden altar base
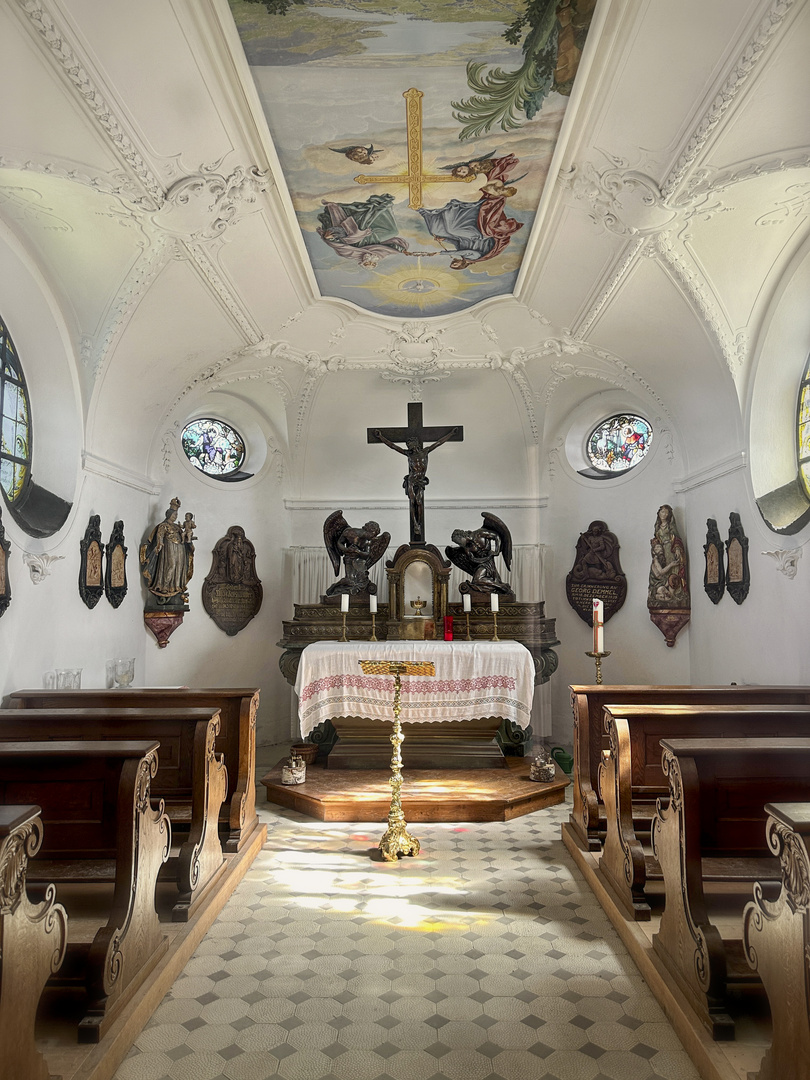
427 794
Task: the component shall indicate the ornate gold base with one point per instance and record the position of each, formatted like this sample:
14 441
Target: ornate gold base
397 841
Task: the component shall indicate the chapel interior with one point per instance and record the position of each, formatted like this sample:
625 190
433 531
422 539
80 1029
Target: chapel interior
167 255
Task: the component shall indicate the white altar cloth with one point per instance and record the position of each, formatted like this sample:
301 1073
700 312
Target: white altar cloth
473 679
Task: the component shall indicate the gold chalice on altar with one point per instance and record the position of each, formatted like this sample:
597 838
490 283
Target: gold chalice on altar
417 605
396 839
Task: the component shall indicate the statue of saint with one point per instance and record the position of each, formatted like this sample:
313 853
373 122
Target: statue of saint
475 554
416 481
360 549
167 560
668 583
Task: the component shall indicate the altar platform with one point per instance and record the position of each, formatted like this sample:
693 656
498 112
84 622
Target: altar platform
440 795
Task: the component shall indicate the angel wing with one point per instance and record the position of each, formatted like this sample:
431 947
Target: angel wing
332 529
377 548
461 559
478 157
498 527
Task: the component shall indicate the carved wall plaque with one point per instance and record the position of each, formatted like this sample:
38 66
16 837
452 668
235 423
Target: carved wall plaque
668 599
714 575
596 573
232 593
738 575
115 576
5 584
91 582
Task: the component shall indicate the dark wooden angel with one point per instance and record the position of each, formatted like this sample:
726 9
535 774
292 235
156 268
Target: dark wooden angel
476 551
359 548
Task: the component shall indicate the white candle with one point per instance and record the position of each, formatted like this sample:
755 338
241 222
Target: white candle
466 601
344 601
493 601
372 604
598 626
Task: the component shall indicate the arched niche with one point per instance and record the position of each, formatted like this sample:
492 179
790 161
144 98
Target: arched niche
397 569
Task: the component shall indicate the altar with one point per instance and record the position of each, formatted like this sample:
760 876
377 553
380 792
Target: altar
453 717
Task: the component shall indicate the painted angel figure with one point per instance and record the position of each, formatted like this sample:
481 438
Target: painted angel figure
359 548
475 554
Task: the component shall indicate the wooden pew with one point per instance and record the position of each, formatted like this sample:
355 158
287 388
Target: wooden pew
588 816
191 780
96 807
236 740
32 945
718 792
776 938
631 779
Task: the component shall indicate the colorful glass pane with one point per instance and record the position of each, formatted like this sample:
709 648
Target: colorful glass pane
619 443
15 424
804 405
213 446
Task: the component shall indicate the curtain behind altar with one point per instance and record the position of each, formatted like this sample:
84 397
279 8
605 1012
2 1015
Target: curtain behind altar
312 574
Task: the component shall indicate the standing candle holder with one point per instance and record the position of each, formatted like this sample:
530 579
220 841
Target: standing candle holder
396 840
598 656
373 627
468 638
494 627
343 635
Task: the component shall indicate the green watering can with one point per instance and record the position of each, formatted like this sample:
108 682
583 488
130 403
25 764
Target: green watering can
563 759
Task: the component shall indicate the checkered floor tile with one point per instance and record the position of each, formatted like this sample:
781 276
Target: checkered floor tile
484 958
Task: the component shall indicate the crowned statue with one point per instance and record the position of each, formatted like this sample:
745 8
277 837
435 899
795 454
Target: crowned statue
476 551
359 549
167 561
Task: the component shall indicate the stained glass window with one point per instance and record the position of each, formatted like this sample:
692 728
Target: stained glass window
213 446
15 421
803 430
619 443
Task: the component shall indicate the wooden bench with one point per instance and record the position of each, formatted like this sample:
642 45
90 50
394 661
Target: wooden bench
96 808
190 779
776 939
236 740
631 779
718 792
32 945
588 815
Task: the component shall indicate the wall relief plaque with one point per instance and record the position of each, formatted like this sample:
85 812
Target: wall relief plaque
738 575
91 581
5 584
714 575
596 573
115 576
232 593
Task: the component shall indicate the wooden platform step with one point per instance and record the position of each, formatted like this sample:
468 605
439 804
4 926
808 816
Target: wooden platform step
497 794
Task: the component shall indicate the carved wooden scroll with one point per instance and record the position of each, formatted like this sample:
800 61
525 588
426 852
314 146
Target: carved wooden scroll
91 580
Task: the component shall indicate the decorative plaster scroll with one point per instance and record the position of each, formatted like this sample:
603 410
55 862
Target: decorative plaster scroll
166 445
787 560
273 376
710 180
292 319
76 69
415 353
26 205
39 566
490 332
305 400
203 205
513 366
622 200
795 206
554 458
735 80
337 335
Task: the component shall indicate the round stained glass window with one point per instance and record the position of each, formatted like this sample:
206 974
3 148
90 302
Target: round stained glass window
619 443
213 447
15 422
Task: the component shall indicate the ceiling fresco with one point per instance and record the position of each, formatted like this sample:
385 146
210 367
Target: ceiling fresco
415 136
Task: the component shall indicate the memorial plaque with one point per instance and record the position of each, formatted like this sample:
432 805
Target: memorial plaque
5 585
714 576
596 573
738 575
91 582
115 578
232 593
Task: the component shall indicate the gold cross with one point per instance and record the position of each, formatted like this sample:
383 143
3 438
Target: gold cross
414 177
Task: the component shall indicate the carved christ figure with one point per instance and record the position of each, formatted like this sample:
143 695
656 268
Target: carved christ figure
416 481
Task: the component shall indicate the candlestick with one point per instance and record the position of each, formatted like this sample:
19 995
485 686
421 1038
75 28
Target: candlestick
598 626
467 614
343 636
373 627
597 656
494 625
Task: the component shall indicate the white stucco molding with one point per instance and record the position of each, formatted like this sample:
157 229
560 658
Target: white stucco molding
535 502
727 465
118 474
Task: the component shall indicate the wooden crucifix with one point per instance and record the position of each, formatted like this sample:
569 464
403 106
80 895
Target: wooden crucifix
414 437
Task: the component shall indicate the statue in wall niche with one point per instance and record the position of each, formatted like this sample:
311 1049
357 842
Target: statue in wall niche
668 598
167 561
476 551
359 549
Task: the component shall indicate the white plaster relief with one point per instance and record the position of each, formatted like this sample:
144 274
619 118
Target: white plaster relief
292 319
635 248
787 560
39 566
26 205
222 290
796 205
76 69
272 376
203 205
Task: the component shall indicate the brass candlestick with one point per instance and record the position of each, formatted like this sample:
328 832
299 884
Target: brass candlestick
598 658
373 627
396 839
494 627
344 638
468 625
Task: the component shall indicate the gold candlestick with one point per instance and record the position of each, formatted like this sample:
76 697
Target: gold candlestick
396 840
598 658
494 627
373 627
344 638
468 625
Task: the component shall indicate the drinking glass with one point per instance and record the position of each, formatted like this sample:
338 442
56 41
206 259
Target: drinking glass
124 672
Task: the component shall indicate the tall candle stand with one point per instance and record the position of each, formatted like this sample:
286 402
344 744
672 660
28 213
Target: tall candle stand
373 627
396 840
343 637
494 627
468 626
598 657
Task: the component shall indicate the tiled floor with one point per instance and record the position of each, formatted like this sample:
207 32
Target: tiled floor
485 957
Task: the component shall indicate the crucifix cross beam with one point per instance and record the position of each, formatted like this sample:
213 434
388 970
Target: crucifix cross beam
414 437
414 177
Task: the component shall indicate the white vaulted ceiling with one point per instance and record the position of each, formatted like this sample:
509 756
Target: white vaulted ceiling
138 178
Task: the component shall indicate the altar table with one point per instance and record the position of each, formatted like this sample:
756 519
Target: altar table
473 679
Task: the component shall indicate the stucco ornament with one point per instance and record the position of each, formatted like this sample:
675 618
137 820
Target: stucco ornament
787 560
39 566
